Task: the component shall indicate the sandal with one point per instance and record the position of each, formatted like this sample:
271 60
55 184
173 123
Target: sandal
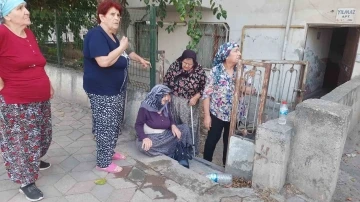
118 156
112 168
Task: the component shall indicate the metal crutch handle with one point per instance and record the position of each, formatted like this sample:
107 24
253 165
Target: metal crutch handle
192 129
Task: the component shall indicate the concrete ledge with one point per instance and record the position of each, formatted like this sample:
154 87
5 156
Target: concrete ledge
68 84
240 157
321 128
134 99
272 151
348 94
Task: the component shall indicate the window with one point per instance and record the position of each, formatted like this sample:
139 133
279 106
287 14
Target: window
214 35
142 39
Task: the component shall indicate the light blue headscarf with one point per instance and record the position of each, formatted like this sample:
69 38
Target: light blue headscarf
6 6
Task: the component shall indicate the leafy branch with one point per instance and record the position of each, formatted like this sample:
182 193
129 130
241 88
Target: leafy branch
189 12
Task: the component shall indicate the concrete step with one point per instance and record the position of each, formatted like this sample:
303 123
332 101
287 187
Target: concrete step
127 134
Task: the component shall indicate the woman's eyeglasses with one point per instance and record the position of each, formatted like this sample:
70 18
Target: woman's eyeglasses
187 64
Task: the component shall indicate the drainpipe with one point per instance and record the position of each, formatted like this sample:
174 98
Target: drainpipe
288 23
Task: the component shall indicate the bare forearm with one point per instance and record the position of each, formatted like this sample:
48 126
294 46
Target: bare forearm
197 95
135 57
111 58
206 104
115 55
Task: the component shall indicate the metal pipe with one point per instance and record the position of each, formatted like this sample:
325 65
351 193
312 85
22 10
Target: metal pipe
153 39
291 8
169 23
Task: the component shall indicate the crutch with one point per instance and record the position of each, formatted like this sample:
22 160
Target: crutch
192 128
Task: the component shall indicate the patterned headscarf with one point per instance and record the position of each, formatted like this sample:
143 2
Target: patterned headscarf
223 53
221 56
152 101
6 6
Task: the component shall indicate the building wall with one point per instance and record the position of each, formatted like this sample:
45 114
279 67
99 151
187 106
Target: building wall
356 71
261 43
317 52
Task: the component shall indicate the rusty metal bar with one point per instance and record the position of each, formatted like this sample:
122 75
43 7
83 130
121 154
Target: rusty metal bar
296 85
264 92
235 104
257 100
295 62
291 77
302 79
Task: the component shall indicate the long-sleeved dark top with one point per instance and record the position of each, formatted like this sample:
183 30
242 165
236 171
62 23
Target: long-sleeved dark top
153 120
185 84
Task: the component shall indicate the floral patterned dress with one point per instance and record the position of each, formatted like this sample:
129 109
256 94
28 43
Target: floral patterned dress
220 88
184 86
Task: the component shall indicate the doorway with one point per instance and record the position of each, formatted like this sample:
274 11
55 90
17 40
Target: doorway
331 52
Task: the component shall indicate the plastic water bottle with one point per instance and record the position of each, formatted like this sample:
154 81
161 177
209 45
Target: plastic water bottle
283 113
222 178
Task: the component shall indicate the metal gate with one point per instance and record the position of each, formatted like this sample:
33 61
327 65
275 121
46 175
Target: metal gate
270 83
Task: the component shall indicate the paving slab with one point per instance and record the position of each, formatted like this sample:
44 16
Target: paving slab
72 176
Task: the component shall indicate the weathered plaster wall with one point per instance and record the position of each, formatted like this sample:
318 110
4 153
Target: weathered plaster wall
316 52
268 43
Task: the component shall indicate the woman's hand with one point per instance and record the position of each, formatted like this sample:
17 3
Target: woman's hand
193 100
144 63
250 90
207 122
124 43
146 144
2 84
176 132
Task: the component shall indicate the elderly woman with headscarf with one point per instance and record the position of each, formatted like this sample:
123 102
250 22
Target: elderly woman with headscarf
25 121
186 79
157 133
218 97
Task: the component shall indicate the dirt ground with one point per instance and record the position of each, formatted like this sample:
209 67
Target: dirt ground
348 186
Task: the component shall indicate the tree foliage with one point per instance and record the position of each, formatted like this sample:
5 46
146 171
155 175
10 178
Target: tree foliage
62 16
49 16
190 12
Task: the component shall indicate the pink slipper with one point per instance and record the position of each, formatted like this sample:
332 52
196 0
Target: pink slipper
110 169
118 156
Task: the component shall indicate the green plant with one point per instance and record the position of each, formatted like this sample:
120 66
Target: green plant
190 12
49 16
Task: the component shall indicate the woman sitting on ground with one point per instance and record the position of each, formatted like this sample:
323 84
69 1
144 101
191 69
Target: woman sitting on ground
156 132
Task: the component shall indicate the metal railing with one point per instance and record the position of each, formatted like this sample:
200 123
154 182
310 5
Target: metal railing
61 34
260 90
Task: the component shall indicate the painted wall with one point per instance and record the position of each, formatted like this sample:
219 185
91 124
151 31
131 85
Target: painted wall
267 43
356 71
316 52
261 43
